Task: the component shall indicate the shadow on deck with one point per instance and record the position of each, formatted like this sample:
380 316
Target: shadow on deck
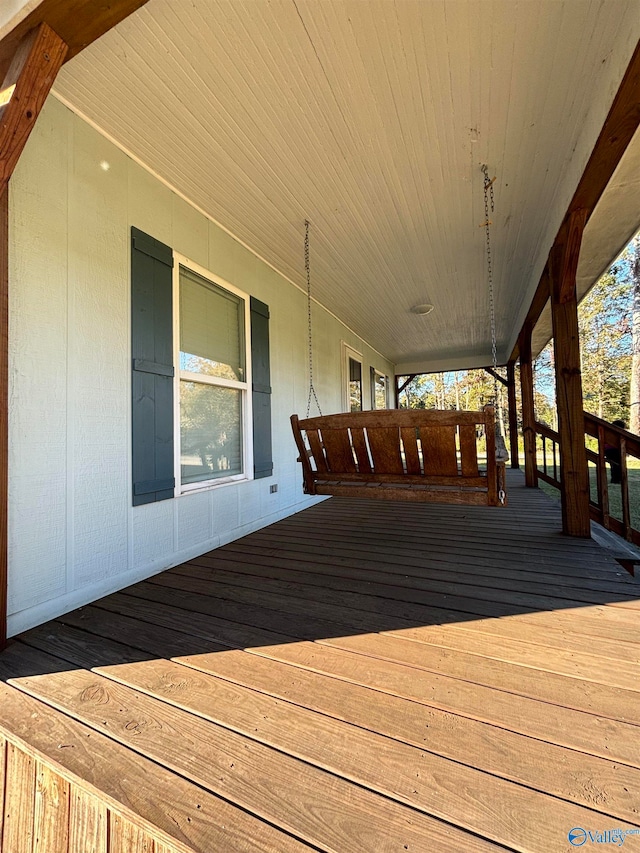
362 676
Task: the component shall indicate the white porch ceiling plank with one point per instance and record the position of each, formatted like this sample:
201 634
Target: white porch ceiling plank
371 119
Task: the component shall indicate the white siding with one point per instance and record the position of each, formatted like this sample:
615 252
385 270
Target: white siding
73 534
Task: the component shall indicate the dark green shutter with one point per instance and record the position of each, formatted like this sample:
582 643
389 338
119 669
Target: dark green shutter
152 373
261 371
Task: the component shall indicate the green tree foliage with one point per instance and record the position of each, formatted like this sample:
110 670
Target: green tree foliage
605 346
462 389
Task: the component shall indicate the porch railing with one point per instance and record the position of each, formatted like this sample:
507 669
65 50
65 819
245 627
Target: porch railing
612 451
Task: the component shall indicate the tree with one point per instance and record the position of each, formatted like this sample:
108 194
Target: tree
605 344
633 251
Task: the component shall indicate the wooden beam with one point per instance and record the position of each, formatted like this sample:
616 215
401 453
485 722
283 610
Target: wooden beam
528 410
574 474
410 378
513 414
77 22
617 132
570 254
496 375
34 68
4 405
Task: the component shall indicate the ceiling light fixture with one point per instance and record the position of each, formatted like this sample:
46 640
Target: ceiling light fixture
422 309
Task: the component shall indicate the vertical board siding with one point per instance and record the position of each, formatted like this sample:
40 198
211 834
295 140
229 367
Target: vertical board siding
87 823
51 814
43 812
125 837
19 801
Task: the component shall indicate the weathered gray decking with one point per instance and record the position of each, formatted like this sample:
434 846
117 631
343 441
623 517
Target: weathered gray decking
364 676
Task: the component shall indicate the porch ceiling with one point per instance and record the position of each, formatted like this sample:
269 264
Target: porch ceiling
372 119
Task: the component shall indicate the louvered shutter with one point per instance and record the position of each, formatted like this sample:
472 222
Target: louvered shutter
261 372
152 369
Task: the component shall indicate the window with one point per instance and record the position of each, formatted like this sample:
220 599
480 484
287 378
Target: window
201 378
212 380
379 390
352 379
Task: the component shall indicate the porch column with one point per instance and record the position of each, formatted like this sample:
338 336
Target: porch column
513 414
574 473
528 413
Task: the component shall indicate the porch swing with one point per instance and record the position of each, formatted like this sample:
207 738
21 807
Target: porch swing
404 454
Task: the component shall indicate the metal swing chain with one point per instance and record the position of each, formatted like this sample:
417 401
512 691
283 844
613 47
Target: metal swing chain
307 266
489 203
489 207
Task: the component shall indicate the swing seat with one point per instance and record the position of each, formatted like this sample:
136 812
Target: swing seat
401 454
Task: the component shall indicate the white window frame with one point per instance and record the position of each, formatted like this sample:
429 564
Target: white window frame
375 373
245 387
347 353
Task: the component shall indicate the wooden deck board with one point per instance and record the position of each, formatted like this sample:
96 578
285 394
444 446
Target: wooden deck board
322 808
381 677
144 793
503 812
251 668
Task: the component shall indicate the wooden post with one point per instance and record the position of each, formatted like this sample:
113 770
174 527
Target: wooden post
513 414
574 473
35 65
528 411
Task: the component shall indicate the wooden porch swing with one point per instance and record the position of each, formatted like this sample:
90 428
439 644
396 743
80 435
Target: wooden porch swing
401 454
404 454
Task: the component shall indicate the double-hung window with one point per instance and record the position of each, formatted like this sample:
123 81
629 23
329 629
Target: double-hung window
201 378
211 335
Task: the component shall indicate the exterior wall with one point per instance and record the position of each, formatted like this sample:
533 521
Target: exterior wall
73 533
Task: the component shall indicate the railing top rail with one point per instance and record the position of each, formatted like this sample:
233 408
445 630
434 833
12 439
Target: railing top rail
543 429
612 433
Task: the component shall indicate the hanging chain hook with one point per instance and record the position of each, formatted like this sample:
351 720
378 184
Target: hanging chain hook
489 205
307 267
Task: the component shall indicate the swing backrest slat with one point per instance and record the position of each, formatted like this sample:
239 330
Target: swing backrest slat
468 450
439 450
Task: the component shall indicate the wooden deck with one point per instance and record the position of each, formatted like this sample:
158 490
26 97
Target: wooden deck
363 676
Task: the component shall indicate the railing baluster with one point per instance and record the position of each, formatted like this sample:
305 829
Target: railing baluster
603 488
555 461
544 453
624 488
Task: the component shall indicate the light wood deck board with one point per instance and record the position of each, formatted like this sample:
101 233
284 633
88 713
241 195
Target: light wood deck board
173 642
321 808
499 752
160 803
508 814
350 644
